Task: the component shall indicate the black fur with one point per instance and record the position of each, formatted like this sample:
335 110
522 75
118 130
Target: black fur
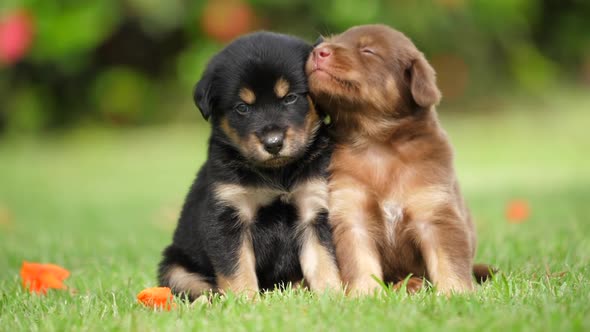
208 234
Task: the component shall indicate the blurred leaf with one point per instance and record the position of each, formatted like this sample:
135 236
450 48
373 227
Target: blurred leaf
28 109
192 62
157 18
122 95
74 29
531 69
505 16
346 13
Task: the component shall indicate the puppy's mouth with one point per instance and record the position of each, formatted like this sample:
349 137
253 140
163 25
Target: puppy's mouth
324 74
276 161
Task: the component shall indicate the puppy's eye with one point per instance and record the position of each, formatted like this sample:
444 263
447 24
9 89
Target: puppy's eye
368 51
242 109
290 99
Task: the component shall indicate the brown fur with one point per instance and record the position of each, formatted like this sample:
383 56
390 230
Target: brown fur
247 95
394 200
281 88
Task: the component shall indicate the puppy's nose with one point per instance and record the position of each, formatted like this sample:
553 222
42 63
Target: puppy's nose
322 53
273 141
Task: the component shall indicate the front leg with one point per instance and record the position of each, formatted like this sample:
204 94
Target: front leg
318 263
241 277
229 244
444 241
356 248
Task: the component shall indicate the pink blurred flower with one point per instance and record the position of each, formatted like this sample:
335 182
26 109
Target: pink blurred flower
16 36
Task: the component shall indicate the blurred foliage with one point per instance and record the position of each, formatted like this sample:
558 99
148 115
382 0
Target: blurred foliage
135 61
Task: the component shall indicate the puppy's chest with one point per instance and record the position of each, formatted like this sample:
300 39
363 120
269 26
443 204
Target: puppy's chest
388 180
309 198
378 168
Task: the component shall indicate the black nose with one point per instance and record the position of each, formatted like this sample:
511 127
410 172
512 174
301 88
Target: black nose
273 142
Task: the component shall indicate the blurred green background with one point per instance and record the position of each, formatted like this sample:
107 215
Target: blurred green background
134 62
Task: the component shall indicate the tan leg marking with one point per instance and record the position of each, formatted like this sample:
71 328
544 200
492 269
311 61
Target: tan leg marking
244 280
180 280
319 266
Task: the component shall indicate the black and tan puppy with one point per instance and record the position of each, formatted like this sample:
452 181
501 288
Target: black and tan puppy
256 216
395 202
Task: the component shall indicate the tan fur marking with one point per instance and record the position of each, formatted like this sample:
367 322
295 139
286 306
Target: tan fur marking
230 132
244 280
319 268
247 200
181 280
281 87
248 96
310 197
296 138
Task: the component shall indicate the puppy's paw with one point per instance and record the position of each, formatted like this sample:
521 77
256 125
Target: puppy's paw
413 286
362 288
453 286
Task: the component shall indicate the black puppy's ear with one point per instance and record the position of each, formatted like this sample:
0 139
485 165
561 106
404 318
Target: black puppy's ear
423 83
202 94
318 41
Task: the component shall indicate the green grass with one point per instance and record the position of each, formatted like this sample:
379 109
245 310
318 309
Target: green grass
103 204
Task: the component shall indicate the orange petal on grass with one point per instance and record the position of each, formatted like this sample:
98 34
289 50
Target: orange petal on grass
157 297
38 278
517 211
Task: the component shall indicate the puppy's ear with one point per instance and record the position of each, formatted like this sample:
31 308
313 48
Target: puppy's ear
423 83
202 94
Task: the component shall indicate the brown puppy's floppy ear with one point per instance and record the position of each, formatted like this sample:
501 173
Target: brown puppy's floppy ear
423 83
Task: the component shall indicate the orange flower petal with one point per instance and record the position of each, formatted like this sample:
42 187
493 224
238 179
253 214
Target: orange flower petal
518 211
40 277
59 272
48 280
157 297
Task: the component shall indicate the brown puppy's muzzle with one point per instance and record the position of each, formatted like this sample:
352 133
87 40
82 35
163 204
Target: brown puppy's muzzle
321 57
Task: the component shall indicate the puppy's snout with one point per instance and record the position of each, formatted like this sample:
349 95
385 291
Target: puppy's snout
322 53
273 141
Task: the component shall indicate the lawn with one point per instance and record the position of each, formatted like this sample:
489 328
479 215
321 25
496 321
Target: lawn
103 203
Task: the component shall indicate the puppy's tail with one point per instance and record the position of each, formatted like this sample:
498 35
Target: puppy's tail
483 272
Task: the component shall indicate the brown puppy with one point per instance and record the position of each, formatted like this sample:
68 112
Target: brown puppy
395 204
